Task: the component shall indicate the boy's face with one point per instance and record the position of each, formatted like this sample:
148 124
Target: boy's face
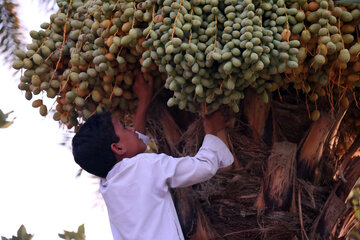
129 142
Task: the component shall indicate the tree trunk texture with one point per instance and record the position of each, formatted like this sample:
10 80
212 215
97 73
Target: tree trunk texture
279 178
256 119
312 148
286 181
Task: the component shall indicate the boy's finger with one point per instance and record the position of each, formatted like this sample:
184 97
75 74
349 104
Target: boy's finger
150 79
148 76
139 76
136 73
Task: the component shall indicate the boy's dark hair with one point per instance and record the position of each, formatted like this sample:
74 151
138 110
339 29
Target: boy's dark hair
91 145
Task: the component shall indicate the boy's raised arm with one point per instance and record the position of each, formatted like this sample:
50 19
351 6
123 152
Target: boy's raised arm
143 91
213 154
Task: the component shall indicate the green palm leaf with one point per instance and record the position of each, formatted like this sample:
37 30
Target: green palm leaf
10 34
11 31
3 119
347 1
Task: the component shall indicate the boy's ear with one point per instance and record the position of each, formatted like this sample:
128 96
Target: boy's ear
118 149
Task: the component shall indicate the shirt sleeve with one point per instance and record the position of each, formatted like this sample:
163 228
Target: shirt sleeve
186 171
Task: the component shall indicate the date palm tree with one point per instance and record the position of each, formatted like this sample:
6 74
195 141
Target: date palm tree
291 176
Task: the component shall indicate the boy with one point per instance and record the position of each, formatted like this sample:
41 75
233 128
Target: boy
135 185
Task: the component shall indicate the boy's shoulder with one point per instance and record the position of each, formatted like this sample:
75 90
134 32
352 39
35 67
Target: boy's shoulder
149 160
143 158
140 160
148 157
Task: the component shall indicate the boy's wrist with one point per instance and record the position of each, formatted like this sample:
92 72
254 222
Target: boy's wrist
142 108
143 103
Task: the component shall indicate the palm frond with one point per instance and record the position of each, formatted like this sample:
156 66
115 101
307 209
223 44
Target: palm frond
47 4
347 1
10 29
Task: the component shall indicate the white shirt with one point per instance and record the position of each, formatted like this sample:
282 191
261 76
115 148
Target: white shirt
136 190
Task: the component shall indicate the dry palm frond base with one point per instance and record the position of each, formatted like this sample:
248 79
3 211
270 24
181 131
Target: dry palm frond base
226 203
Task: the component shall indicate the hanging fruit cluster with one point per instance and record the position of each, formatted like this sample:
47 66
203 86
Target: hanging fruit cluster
213 50
86 58
329 54
207 52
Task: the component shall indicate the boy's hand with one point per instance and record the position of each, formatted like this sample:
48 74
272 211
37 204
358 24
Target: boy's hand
142 89
216 122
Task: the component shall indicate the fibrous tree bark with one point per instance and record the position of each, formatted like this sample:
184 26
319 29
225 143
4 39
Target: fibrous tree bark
288 181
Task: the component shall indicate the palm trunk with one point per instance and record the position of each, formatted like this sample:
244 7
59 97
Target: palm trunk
256 113
278 185
312 148
281 185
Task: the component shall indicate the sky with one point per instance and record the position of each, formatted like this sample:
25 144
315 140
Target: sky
38 183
